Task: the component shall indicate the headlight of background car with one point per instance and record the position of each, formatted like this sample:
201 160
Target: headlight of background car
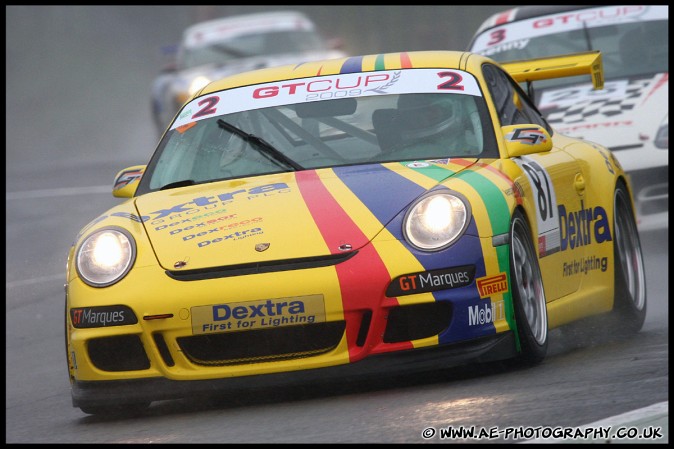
436 220
662 137
197 83
105 256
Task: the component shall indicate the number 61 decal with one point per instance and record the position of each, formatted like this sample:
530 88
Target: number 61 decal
545 203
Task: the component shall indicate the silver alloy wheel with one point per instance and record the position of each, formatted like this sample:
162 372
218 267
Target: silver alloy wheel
629 250
528 282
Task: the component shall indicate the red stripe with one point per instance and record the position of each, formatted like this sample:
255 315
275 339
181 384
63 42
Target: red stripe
664 80
361 289
405 61
504 17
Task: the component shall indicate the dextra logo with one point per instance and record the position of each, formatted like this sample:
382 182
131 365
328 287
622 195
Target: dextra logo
206 200
576 228
345 82
266 309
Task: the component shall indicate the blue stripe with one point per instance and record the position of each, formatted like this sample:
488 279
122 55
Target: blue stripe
384 192
352 65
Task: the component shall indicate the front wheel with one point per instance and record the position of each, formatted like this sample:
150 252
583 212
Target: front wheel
629 307
531 313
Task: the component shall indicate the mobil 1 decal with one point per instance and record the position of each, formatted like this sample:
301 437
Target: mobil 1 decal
545 202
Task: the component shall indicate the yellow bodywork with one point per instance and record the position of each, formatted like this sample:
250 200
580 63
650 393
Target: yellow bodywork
181 227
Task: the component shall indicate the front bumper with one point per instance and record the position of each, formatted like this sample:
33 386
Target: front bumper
496 347
170 346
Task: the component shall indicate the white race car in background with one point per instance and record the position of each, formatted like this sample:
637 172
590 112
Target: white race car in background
630 115
216 48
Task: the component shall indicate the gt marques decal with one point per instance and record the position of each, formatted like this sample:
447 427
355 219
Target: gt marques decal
430 281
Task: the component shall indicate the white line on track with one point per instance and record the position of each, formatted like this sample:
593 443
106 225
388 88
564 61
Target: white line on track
656 415
31 281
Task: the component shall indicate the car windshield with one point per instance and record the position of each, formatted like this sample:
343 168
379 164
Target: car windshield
309 135
630 46
253 44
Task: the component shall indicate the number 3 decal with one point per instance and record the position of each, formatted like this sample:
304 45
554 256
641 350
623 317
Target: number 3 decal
496 36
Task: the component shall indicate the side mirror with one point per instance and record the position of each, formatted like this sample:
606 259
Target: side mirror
169 54
526 139
126 181
169 67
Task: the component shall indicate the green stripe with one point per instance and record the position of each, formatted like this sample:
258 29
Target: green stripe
379 63
435 172
499 217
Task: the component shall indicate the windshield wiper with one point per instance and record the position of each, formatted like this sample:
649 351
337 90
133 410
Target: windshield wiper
265 147
173 185
586 33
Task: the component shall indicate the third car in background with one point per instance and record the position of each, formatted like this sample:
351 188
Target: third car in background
630 115
213 49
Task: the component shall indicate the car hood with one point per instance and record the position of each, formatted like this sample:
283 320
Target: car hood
626 113
290 215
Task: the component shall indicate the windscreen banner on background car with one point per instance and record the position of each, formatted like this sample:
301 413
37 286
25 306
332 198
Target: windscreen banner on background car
215 31
630 114
519 34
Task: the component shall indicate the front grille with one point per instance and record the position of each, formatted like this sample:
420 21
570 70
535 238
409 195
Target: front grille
265 345
260 267
163 349
123 353
407 323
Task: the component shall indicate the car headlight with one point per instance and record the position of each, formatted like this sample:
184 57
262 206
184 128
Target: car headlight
105 256
436 220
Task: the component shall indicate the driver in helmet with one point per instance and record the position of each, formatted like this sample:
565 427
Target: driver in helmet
431 125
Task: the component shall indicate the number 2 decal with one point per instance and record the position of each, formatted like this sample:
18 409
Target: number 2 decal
209 107
454 82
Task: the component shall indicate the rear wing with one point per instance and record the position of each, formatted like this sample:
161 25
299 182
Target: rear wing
528 70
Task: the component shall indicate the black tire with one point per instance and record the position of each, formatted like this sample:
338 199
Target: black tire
528 294
629 307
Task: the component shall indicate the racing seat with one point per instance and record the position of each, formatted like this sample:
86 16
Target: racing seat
384 127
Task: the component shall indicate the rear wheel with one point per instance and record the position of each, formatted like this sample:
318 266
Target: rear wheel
528 295
629 308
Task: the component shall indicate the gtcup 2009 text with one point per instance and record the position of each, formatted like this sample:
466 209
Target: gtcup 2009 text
527 433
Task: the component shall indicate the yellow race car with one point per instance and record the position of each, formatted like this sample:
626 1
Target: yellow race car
347 217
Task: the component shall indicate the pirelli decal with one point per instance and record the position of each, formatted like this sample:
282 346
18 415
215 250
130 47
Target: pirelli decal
491 285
